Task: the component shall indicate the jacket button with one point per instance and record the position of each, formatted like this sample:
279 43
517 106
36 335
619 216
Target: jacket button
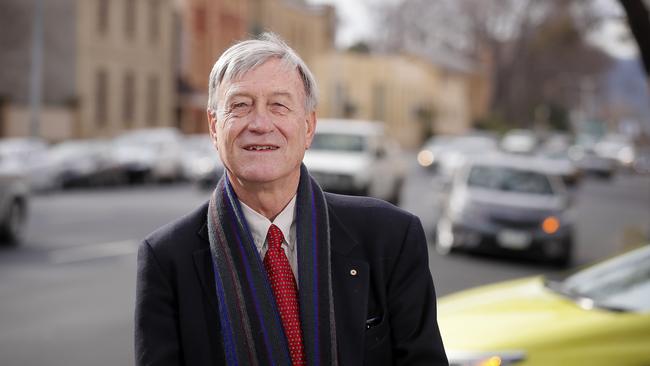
353 272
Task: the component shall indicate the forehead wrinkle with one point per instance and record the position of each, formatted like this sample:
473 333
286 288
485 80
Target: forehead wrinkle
237 91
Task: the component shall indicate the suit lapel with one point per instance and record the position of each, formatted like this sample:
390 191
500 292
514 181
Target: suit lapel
350 279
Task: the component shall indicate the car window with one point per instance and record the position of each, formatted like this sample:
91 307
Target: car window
338 142
623 283
509 180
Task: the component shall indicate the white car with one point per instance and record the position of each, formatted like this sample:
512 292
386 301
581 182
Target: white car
519 141
150 154
28 157
201 162
356 157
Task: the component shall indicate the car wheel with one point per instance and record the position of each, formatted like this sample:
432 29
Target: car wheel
13 228
564 259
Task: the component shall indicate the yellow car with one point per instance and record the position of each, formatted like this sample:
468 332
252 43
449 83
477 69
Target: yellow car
597 316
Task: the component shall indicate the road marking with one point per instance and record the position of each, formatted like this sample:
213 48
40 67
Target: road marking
95 251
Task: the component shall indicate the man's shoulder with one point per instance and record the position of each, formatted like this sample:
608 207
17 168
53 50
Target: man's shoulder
360 208
184 230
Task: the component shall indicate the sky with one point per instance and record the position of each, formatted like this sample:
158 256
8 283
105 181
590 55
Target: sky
355 24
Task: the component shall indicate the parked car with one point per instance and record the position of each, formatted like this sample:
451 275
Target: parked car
587 160
519 141
356 157
150 154
429 155
559 164
28 157
84 163
597 316
14 197
462 149
617 148
509 205
201 162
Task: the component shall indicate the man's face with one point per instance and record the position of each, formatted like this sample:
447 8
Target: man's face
261 128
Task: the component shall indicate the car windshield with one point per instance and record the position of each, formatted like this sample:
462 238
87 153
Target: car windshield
472 144
338 142
621 284
509 180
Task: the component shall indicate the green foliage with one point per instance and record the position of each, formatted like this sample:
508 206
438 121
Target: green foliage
493 122
360 47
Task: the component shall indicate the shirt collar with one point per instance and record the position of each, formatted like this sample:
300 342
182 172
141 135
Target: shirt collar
259 224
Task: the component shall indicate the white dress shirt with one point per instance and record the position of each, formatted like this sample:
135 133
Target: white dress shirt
259 226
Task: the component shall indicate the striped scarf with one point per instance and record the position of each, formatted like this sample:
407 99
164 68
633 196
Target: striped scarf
250 321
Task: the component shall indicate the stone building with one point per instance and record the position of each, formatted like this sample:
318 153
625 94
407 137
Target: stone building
413 96
107 67
211 26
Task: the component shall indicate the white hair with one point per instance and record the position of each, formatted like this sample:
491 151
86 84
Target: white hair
247 55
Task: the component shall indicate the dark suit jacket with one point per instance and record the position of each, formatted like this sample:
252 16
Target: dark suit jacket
385 313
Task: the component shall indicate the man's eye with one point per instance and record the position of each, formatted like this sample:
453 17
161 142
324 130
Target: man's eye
279 107
239 109
239 105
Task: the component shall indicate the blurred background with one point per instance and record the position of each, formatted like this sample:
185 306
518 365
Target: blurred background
517 130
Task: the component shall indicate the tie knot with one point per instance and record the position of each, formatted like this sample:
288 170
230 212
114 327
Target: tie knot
274 237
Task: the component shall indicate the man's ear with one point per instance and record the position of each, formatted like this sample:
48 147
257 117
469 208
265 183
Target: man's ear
311 128
212 126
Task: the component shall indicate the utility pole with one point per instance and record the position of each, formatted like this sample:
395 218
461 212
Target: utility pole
36 70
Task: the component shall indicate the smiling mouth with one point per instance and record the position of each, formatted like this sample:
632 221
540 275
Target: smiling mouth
260 148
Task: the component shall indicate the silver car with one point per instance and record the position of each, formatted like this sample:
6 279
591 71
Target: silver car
509 205
13 207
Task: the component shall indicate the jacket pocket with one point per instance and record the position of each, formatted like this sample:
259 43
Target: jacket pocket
377 334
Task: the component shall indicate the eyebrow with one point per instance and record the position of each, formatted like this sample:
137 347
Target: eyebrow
241 93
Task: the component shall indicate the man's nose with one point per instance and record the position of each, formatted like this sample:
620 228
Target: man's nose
262 121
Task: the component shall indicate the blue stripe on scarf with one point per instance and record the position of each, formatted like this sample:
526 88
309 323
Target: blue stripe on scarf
314 238
251 240
249 277
226 327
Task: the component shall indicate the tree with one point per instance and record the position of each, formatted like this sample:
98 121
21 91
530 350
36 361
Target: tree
638 15
535 51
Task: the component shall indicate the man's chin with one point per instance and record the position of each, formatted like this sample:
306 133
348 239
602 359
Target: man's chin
264 176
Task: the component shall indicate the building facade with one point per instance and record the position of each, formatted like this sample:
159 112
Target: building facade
107 67
211 26
412 96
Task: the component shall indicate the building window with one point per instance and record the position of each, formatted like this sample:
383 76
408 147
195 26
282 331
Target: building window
378 102
154 20
102 16
152 100
128 101
101 98
340 100
129 18
199 20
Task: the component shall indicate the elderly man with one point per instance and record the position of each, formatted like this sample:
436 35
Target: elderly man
273 271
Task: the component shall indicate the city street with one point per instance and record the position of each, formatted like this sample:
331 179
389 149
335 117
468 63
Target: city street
68 291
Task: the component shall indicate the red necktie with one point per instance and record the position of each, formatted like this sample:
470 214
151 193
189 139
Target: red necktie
285 291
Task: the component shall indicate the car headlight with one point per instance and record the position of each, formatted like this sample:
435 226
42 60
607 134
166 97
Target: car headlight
425 158
504 358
